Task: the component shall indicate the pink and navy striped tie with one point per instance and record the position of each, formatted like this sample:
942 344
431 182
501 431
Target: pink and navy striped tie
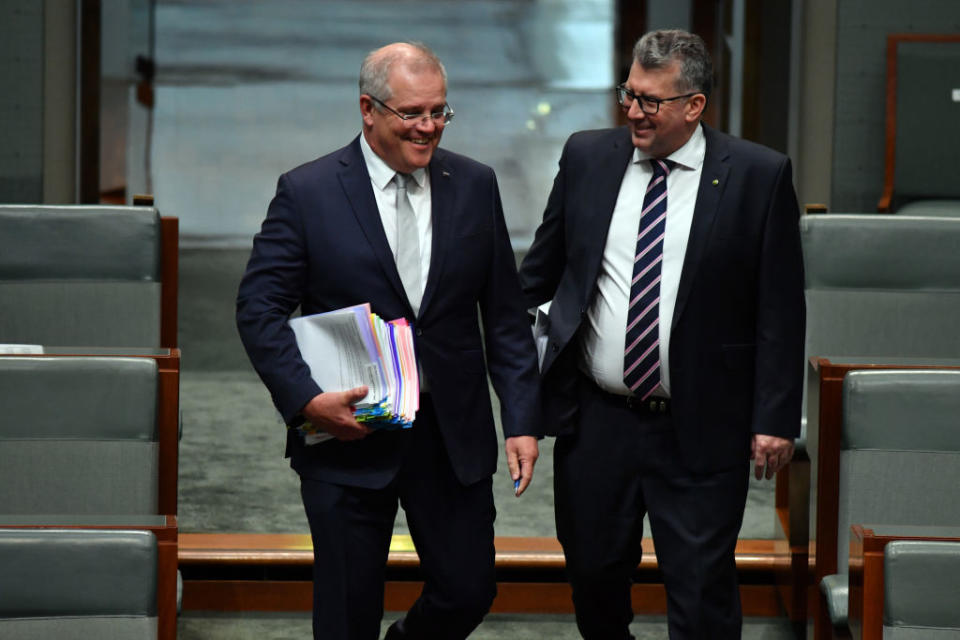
641 358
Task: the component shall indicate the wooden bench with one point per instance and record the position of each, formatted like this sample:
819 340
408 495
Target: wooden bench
272 572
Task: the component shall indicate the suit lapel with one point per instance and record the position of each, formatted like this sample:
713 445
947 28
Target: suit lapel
713 181
441 214
606 178
355 181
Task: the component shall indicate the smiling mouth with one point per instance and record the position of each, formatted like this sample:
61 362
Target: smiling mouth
420 140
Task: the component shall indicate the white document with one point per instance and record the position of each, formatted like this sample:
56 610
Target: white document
541 326
332 346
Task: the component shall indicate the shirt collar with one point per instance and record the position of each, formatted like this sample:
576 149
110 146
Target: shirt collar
380 172
689 156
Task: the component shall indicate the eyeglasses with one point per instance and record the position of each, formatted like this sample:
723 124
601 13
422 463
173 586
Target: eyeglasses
648 104
411 119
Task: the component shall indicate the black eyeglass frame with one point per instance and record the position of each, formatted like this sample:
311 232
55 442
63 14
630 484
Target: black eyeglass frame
440 118
623 92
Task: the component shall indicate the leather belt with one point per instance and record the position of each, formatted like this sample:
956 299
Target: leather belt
651 406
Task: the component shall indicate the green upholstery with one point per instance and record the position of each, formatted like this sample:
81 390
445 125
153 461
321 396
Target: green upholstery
80 275
881 285
73 584
921 590
928 120
902 411
836 592
78 435
899 456
873 252
932 208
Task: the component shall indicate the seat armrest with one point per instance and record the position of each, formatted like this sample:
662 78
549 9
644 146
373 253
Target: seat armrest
836 591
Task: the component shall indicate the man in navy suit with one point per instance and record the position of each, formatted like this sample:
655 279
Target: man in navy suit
418 232
671 253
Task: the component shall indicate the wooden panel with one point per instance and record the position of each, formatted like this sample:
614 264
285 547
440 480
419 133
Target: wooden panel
215 555
88 152
792 508
890 151
168 427
522 552
512 597
169 284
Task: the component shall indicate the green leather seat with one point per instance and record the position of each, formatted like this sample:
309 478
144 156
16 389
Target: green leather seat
78 435
77 584
899 458
881 285
80 275
921 590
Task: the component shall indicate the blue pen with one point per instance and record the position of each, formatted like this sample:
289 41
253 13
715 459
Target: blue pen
516 486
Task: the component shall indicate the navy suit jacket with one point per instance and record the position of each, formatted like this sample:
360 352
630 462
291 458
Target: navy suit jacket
736 346
323 247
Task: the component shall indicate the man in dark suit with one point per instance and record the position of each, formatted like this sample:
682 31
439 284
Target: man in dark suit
418 232
675 349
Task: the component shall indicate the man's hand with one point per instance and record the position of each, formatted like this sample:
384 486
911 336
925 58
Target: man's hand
771 451
522 454
332 411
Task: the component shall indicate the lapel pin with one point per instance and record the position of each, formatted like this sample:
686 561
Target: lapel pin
715 182
446 174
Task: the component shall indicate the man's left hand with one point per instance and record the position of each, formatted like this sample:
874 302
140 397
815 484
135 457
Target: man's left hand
522 454
769 451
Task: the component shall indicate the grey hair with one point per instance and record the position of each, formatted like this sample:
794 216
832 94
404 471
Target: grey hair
375 70
658 49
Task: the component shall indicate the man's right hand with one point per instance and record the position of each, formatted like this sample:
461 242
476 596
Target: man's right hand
332 411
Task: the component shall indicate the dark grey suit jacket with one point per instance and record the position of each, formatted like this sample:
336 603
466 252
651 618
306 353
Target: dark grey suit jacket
736 347
323 247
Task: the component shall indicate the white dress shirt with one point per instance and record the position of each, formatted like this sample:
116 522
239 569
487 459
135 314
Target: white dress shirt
603 334
385 192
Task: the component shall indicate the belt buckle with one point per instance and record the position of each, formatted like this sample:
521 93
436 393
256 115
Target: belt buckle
653 405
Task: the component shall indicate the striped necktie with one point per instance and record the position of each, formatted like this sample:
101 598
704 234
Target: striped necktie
641 358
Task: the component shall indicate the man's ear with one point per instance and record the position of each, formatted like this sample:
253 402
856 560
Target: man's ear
366 109
695 106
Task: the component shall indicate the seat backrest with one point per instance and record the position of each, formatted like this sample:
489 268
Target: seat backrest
900 450
78 435
921 588
882 285
80 275
77 584
927 119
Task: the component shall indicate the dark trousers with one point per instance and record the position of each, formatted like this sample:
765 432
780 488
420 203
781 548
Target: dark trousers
452 529
620 465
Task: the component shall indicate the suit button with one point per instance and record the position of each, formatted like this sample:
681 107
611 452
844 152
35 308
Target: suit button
419 332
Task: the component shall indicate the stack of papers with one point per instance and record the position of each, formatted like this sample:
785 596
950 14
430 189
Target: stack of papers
353 347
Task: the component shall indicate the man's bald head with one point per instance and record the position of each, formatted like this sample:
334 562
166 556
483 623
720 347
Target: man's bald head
375 70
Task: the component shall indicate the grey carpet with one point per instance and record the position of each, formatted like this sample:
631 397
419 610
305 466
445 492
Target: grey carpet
286 626
233 477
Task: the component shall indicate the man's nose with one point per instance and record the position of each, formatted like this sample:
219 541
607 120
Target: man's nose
426 124
635 112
